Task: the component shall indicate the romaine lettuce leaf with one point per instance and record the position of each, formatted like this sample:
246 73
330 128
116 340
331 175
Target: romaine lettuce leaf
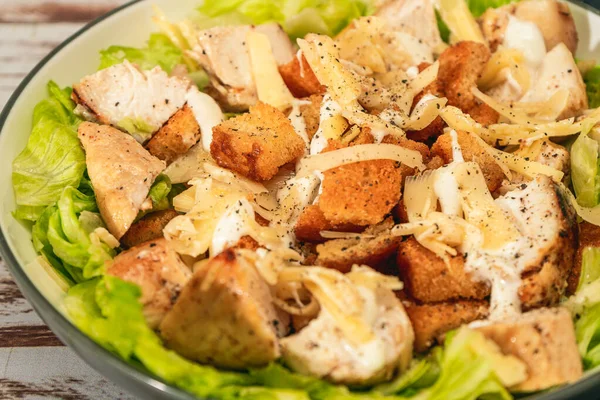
63 234
160 51
298 17
584 170
53 158
592 84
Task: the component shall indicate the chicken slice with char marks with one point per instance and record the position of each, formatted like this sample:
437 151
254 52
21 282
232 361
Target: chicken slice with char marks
158 271
225 316
121 171
139 102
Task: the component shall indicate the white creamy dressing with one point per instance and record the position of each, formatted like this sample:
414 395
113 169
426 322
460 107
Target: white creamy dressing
446 186
526 37
299 57
207 112
232 226
296 194
297 120
329 109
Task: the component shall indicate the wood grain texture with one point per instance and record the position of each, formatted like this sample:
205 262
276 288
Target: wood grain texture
18 11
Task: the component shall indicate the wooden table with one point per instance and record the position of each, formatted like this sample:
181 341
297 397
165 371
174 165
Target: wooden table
34 364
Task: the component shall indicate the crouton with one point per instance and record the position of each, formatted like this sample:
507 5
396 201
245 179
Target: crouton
472 151
427 278
544 340
312 221
411 145
361 193
175 137
300 78
431 321
589 236
257 144
342 254
159 272
150 227
312 114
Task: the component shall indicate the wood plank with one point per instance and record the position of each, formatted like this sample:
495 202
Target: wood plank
15 11
52 373
28 336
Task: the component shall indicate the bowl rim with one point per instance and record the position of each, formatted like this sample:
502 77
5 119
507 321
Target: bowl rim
69 334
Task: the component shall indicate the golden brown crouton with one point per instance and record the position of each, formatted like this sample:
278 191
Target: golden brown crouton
150 227
342 254
361 193
300 79
472 151
544 340
427 278
431 321
589 236
176 136
312 221
159 272
256 144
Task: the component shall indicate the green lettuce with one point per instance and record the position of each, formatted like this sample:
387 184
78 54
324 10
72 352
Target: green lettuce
592 85
62 235
52 159
584 169
297 17
160 51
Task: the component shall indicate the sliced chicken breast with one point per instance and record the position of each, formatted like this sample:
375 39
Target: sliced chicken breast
159 272
544 340
321 349
121 171
225 316
136 101
415 17
559 71
222 52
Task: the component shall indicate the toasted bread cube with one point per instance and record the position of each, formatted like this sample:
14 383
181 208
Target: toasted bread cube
149 227
361 193
159 272
472 151
225 316
312 221
544 340
427 278
176 136
256 144
342 254
589 236
300 78
431 321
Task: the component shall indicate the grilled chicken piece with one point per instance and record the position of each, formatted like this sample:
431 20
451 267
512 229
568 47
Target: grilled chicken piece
222 52
320 349
544 340
149 227
552 17
121 171
559 71
159 272
415 17
431 321
136 101
225 316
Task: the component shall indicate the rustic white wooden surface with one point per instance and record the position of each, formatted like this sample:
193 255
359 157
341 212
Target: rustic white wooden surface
33 362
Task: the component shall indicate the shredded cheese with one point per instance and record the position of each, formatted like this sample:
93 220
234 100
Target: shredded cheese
503 62
460 21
